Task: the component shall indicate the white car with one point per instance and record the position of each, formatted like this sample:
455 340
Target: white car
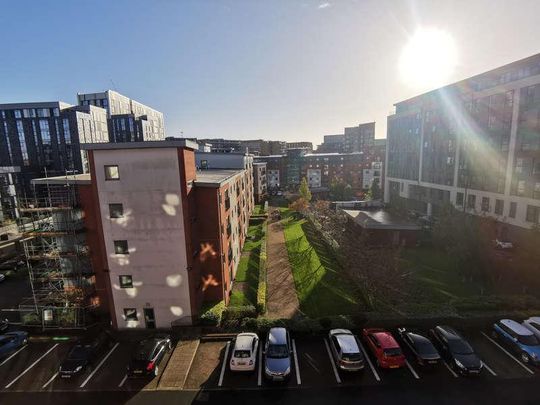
345 350
244 354
533 324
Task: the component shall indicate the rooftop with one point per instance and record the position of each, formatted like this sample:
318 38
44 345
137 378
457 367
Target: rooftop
215 177
67 179
177 143
381 219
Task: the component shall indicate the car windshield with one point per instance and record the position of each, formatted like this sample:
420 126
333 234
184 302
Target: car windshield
78 352
277 351
143 351
426 348
351 356
458 346
528 340
242 354
393 352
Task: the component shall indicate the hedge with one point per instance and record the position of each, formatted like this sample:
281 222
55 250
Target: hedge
300 325
238 313
496 302
212 313
261 288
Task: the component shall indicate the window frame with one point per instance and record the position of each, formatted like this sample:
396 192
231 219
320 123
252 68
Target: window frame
111 210
117 243
125 285
107 177
127 317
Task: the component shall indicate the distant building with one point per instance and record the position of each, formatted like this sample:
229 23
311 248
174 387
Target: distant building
354 139
300 145
259 181
257 147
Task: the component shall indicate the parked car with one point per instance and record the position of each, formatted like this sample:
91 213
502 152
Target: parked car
277 355
244 354
11 342
457 350
147 356
384 347
424 351
533 324
2 277
83 354
345 350
520 339
4 324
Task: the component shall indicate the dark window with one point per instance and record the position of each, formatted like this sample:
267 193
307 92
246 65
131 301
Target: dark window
116 210
204 164
126 281
513 210
121 247
533 214
111 172
471 201
130 314
499 207
459 199
485 204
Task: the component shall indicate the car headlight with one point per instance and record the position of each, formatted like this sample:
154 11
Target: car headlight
459 364
288 370
79 368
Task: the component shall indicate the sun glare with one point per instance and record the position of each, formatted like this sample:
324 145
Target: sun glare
428 59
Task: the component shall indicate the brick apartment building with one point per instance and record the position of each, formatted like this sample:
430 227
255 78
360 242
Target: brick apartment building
163 236
259 182
353 139
474 144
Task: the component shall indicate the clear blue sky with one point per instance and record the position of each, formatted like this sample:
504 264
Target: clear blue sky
281 69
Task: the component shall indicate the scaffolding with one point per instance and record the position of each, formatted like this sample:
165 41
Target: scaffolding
53 236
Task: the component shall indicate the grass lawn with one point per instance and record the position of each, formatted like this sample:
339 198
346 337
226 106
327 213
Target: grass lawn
253 239
322 288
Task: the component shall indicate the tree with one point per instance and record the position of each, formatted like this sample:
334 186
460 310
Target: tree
375 190
340 191
305 193
299 205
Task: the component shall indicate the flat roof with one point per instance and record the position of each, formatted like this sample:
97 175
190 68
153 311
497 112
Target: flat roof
177 143
69 179
381 219
215 177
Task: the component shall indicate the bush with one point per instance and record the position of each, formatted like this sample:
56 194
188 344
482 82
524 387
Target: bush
239 313
212 313
261 288
496 302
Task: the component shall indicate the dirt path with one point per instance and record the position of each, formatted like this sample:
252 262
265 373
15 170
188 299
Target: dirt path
282 301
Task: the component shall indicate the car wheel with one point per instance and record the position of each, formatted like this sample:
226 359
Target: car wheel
25 341
525 357
156 371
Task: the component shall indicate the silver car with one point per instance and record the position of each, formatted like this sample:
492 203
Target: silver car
277 355
345 350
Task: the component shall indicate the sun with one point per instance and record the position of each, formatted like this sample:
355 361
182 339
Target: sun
429 59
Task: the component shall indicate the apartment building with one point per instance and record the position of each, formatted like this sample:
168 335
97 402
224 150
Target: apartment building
300 145
128 119
257 147
474 144
354 139
259 181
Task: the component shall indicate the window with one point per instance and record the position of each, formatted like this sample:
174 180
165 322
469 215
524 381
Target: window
485 204
471 201
43 112
67 134
130 314
121 247
45 133
111 172
499 207
204 164
116 210
533 214
521 187
18 114
459 199
536 192
22 142
513 210
126 281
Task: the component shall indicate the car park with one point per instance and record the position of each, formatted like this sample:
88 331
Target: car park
147 356
345 350
533 324
12 341
384 347
277 355
424 351
457 350
520 338
83 354
244 354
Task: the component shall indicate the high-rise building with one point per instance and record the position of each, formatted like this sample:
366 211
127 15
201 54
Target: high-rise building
474 144
129 120
354 139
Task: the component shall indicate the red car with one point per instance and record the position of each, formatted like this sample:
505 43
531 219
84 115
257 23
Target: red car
385 348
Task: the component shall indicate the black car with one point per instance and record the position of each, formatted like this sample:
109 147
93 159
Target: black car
147 356
426 354
84 353
457 350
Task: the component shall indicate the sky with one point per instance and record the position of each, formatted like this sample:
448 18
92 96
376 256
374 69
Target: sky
275 69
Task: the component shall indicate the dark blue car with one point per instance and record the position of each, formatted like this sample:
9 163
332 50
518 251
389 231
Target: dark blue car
520 339
11 342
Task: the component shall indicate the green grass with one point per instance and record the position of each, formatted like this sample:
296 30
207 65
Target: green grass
238 299
253 239
321 286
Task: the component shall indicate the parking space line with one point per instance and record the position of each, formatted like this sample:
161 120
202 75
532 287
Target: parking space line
413 372
50 380
508 353
493 373
369 361
224 364
338 379
450 369
94 371
259 377
32 365
123 381
298 379
13 355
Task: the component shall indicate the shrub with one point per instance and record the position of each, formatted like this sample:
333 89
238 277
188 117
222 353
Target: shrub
211 313
239 312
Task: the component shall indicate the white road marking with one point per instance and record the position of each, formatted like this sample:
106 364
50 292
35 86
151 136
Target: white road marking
224 365
13 355
507 353
450 369
368 360
32 365
123 381
94 371
338 379
259 377
50 381
298 379
312 362
489 369
414 373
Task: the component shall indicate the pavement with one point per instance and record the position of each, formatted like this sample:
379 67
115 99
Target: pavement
281 298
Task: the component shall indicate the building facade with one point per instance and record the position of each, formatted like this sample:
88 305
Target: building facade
474 144
304 145
257 147
354 139
259 182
